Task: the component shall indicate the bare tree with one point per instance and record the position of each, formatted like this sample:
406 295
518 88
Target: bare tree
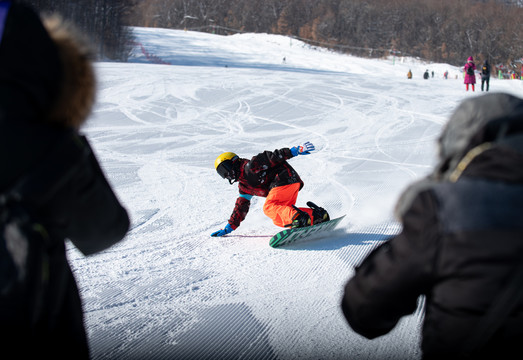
437 30
103 21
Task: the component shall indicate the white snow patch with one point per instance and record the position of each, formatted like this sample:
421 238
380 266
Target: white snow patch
169 290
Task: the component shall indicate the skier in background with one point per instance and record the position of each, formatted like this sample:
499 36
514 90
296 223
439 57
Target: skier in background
409 74
426 74
485 74
470 76
268 175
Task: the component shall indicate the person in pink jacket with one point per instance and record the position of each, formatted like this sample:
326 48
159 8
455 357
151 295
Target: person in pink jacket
470 76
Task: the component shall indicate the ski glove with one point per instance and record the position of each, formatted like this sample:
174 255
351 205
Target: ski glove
304 149
225 231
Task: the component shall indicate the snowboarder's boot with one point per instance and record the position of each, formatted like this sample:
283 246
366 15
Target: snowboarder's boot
319 214
300 219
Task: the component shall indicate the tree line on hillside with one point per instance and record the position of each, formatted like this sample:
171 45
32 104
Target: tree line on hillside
103 22
437 30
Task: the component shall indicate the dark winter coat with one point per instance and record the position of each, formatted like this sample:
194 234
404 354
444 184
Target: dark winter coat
41 76
462 239
485 71
258 176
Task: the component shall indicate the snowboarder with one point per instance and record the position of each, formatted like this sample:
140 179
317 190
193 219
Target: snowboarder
485 74
268 175
470 76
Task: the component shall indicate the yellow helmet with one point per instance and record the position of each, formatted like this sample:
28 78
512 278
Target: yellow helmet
223 157
224 165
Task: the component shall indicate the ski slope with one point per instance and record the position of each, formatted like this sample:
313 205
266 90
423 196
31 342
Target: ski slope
169 290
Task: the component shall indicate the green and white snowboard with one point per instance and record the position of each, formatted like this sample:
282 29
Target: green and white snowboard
289 236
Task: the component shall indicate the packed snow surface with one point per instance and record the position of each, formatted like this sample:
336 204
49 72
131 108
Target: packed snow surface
171 291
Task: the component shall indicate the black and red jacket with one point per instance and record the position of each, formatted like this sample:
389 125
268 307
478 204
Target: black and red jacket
260 175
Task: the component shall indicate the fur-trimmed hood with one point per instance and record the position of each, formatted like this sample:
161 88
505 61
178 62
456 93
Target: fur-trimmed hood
481 127
76 95
48 65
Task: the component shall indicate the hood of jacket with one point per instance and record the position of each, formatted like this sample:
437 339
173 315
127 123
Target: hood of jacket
483 138
48 63
76 94
492 118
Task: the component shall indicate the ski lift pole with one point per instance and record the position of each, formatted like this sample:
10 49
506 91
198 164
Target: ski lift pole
394 52
393 57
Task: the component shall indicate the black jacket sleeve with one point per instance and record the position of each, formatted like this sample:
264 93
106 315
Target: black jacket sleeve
98 219
80 205
387 284
268 159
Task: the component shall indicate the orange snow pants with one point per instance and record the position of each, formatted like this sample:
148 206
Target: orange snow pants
278 205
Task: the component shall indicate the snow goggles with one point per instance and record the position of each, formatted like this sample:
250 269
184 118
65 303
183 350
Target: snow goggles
4 8
225 169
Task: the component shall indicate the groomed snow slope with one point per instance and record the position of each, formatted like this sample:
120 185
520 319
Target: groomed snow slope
169 290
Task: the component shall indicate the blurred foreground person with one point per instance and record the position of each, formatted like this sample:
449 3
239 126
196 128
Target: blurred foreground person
49 171
461 245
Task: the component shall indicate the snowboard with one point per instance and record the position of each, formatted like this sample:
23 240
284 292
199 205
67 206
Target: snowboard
288 236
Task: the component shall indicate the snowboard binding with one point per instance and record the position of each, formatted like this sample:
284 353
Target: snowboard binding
319 214
300 219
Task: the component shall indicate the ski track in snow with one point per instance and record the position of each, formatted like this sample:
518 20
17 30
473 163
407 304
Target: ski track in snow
169 290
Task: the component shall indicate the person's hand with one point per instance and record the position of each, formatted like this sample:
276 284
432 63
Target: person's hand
222 232
304 149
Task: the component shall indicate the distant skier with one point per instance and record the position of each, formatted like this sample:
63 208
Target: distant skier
426 74
485 75
409 74
470 76
268 175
